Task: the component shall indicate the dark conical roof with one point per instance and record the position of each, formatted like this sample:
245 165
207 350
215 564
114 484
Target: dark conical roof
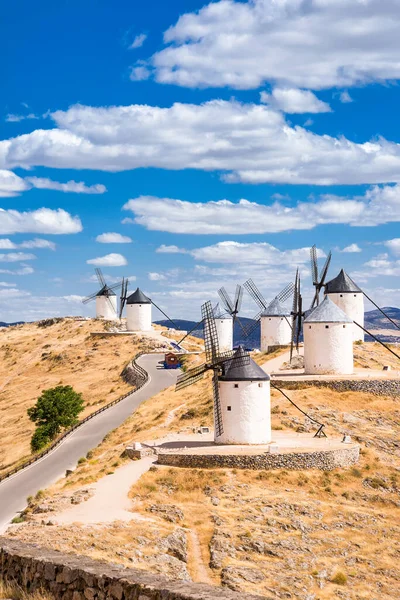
105 291
275 309
327 312
138 298
343 283
237 371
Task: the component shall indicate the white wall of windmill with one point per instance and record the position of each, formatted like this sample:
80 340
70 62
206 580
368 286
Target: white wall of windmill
351 303
138 317
328 348
106 308
225 334
246 412
275 331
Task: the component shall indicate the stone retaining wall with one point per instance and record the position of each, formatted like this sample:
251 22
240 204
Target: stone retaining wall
325 460
378 387
74 577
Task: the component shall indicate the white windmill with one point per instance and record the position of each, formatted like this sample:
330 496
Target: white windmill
348 297
106 299
274 318
138 310
242 405
328 340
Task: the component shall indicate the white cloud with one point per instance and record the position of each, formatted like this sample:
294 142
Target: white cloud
139 73
23 270
294 101
75 299
6 244
16 257
5 284
109 260
13 118
138 41
315 45
77 187
164 249
38 243
43 220
377 206
345 97
380 266
251 253
393 245
113 238
156 276
11 185
245 142
352 248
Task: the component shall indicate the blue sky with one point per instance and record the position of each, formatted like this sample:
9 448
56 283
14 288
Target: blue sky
138 119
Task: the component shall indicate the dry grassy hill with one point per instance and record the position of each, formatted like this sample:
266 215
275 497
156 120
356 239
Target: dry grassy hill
281 534
33 358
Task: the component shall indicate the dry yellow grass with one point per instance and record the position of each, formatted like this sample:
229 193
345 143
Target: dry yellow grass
311 526
371 355
34 358
10 591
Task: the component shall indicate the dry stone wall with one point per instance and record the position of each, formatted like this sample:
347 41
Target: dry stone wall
73 577
378 387
324 460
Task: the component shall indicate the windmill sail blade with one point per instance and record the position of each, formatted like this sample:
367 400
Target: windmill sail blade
241 326
165 315
89 298
295 312
219 428
324 271
110 304
226 301
115 286
314 264
100 277
255 293
191 376
238 299
286 292
210 333
123 297
253 324
299 320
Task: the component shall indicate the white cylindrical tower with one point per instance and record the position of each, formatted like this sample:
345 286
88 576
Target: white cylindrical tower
245 404
328 341
275 326
138 312
106 305
349 298
224 325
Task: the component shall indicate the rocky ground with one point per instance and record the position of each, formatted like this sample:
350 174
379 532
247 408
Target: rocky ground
304 535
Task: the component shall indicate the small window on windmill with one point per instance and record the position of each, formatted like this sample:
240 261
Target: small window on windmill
309 327
341 295
326 326
236 385
344 326
270 319
229 408
260 385
355 295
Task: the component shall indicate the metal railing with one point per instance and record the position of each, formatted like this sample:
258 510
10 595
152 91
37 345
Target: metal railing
143 377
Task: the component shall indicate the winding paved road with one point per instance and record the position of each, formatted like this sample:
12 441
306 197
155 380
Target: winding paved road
14 491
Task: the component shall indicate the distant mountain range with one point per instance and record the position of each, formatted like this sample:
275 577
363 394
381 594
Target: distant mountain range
2 324
374 319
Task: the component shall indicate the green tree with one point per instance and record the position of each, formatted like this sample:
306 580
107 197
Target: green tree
56 409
